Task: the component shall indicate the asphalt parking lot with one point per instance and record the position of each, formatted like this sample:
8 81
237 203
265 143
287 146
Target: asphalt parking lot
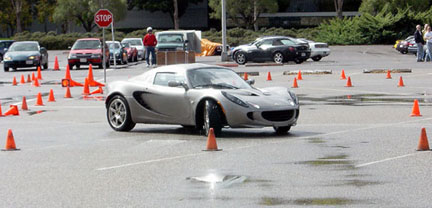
352 147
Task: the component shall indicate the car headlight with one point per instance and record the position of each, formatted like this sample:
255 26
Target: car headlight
31 57
234 99
7 58
72 55
293 97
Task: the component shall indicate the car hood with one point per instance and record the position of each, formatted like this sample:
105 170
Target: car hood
92 51
22 54
265 97
244 47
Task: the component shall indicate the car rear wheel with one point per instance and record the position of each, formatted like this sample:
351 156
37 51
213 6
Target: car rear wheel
6 69
118 114
316 58
107 64
240 58
278 58
282 129
100 66
45 66
77 66
212 118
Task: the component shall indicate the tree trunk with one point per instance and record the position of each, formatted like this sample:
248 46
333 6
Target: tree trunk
255 16
338 7
176 17
17 5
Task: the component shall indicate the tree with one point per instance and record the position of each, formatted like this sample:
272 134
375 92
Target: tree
21 9
243 12
175 8
82 11
338 7
45 11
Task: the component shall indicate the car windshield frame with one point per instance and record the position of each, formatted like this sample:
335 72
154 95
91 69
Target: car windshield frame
23 46
216 78
84 44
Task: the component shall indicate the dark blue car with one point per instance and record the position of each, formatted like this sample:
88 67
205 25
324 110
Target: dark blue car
4 44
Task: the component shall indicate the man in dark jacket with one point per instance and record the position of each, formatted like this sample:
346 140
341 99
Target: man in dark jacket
149 44
418 38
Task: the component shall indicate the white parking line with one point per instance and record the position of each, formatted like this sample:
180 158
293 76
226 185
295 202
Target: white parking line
391 158
275 142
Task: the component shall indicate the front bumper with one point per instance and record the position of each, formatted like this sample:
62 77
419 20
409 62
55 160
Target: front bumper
21 63
85 61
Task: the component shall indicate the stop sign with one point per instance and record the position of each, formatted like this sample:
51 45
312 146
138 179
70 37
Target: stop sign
103 18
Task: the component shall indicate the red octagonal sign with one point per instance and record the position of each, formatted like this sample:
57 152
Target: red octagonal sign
103 18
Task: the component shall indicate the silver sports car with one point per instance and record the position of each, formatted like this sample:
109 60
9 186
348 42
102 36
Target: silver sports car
200 96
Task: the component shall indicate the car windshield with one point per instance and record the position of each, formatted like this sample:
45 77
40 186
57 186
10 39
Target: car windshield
113 45
170 38
133 42
126 45
24 47
86 44
218 78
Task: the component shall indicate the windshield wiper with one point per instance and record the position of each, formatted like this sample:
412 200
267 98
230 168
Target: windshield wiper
218 85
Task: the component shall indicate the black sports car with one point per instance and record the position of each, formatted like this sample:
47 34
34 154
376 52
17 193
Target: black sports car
279 49
25 54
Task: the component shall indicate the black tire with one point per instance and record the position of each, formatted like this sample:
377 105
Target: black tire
100 66
298 61
316 58
278 58
118 114
240 58
6 69
45 66
282 129
107 64
1 57
212 118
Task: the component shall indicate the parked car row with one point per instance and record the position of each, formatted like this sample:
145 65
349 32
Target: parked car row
280 49
403 45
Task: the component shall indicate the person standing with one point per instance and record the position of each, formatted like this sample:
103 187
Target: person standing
150 42
428 38
418 38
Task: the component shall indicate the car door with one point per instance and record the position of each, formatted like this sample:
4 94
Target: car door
261 50
172 102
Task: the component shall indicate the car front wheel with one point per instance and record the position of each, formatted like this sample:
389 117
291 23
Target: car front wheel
118 114
278 58
212 118
316 58
240 58
282 129
6 69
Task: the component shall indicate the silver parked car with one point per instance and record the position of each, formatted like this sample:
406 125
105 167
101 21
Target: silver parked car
318 49
201 96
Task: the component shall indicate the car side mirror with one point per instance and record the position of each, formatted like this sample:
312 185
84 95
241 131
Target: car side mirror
250 81
174 83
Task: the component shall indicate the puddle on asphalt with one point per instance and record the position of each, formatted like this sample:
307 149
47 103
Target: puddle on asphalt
272 201
356 182
334 157
93 98
216 180
340 146
31 113
316 140
366 99
340 162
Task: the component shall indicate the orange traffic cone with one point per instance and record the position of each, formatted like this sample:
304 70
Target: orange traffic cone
295 85
36 83
51 96
39 74
1 114
211 141
72 83
245 76
423 144
401 82
10 142
22 81
415 109
86 90
68 93
269 78
343 75
90 74
39 101
28 78
24 104
67 75
299 75
13 111
348 84
388 74
33 76
96 84
56 64
14 82
99 90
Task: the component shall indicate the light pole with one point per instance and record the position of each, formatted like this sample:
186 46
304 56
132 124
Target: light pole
224 55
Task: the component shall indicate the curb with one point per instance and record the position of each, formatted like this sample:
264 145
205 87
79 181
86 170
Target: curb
265 64
308 72
249 73
367 71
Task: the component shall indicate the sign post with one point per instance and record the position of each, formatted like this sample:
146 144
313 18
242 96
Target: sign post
103 18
